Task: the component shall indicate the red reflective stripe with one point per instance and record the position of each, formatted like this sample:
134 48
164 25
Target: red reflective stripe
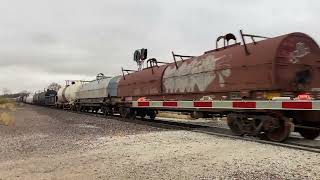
241 104
202 104
297 105
170 103
143 103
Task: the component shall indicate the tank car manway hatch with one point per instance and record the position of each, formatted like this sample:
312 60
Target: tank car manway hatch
238 80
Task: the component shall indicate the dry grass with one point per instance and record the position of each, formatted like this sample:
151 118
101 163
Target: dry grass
4 100
6 107
7 119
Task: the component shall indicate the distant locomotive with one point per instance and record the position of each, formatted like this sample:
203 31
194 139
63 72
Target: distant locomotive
283 67
45 98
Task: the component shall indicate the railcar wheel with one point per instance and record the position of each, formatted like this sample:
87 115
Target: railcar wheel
309 133
196 114
279 131
124 112
142 114
78 108
110 111
152 114
234 123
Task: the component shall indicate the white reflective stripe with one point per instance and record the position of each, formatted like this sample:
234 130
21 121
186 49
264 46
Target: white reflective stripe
315 105
185 104
155 103
134 103
222 104
268 105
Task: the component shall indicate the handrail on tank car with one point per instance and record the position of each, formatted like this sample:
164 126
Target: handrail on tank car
126 70
181 57
252 38
73 81
101 76
226 38
154 62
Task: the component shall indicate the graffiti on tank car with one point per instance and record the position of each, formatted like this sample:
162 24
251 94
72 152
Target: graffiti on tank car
197 74
301 51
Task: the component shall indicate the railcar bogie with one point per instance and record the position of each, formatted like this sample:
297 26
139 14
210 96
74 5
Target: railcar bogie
272 125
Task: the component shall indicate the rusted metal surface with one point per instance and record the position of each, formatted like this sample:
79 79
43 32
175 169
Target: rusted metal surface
288 64
147 82
226 70
232 70
297 63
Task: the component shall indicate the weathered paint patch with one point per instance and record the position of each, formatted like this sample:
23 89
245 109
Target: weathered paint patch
197 74
300 51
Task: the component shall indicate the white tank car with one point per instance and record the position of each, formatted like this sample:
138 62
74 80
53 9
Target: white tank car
98 94
29 99
67 95
99 88
24 98
60 96
70 92
94 89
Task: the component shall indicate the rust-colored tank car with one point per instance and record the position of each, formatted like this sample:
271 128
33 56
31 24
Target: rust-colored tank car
284 66
147 82
271 66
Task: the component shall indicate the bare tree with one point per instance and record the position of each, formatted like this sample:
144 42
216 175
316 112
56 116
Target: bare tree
54 86
6 91
23 93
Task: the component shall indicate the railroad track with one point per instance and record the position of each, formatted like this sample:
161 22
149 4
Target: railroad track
211 130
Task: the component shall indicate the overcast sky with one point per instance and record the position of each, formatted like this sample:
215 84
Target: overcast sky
42 41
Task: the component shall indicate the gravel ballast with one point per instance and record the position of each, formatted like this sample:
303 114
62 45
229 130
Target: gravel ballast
119 150
43 131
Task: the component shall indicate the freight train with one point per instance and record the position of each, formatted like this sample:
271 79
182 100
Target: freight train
46 98
268 87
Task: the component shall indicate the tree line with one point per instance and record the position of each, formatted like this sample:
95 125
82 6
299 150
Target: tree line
6 93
